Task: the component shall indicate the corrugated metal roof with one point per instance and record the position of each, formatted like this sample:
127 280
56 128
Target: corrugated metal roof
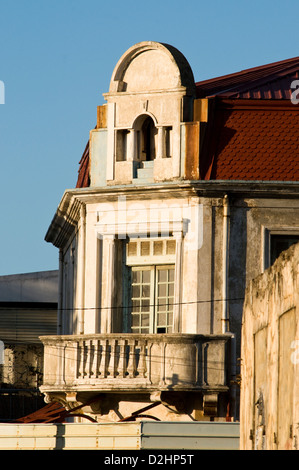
271 81
24 325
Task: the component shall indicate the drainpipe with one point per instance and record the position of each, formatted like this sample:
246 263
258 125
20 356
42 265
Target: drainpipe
225 305
225 254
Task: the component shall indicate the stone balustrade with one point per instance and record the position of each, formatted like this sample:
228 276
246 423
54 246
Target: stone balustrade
120 362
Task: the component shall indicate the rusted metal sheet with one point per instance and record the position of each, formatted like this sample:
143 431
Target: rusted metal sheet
192 134
102 117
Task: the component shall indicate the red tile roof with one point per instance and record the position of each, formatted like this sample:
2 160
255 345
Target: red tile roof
83 180
252 140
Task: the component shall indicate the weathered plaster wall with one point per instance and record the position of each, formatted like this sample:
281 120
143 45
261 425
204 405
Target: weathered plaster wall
23 367
269 373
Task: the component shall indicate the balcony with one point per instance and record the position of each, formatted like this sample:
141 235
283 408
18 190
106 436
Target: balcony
135 363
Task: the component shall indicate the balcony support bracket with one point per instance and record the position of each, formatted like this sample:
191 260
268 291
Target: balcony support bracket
210 404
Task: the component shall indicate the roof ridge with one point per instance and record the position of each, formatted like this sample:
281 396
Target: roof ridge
248 79
266 67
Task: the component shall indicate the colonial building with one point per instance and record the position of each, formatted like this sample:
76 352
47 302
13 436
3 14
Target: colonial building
186 191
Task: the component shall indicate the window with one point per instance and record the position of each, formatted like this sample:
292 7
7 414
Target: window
275 241
121 145
152 267
168 142
152 297
146 138
280 243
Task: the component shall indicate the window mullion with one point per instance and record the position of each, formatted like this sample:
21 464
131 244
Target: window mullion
153 300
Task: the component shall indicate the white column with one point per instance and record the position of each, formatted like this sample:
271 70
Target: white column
160 150
177 321
131 145
60 293
110 142
81 270
107 312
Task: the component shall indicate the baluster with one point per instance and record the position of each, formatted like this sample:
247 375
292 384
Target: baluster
88 346
163 364
132 359
104 358
96 361
142 359
149 361
78 358
112 362
82 359
122 363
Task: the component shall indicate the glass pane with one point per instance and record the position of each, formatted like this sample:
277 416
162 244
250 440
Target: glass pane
144 320
132 249
280 243
171 275
146 277
136 291
136 277
161 305
171 290
145 305
162 290
144 331
170 244
158 248
146 290
145 248
161 319
162 275
135 305
135 320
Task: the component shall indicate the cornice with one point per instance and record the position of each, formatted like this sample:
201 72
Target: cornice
67 215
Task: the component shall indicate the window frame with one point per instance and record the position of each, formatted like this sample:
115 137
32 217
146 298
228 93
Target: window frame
267 233
153 326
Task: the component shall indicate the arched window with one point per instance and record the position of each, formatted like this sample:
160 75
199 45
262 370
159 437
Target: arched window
146 136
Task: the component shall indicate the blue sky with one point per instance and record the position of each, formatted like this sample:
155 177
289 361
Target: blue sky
56 60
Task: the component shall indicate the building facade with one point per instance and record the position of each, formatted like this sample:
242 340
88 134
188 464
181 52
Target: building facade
181 191
28 309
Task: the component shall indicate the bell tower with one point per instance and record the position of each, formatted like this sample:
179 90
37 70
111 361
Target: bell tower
143 129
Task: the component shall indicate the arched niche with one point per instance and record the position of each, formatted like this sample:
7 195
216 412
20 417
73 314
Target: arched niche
146 137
